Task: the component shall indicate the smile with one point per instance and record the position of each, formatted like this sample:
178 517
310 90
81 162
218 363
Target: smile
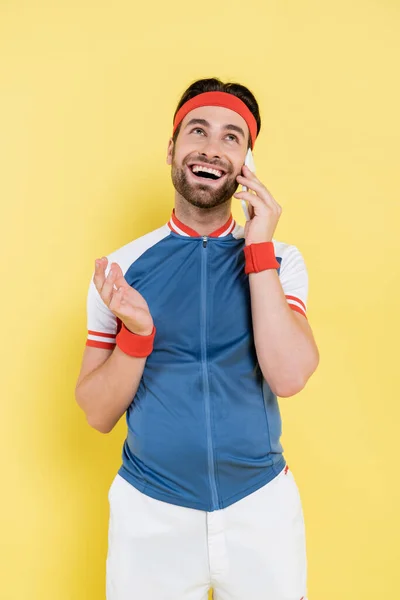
202 172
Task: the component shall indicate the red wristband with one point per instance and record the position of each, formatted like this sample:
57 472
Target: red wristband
134 344
260 257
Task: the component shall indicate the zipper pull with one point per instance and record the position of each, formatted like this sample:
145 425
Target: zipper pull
205 238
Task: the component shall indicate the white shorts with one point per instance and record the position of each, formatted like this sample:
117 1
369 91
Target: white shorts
252 550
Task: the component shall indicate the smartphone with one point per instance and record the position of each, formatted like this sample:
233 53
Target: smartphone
249 162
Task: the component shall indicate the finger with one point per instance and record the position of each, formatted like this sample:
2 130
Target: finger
99 272
248 172
121 306
251 211
255 185
120 280
108 285
262 209
267 200
118 270
254 201
252 184
117 299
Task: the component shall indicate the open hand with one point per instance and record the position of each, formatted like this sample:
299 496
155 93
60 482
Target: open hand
123 300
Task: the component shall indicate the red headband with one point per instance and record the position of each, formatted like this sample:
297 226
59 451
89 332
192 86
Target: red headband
223 99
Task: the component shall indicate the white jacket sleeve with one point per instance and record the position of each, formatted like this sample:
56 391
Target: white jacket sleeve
102 324
294 279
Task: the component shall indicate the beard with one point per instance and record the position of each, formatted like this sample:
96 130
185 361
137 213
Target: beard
199 194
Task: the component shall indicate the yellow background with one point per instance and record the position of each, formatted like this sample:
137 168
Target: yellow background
88 90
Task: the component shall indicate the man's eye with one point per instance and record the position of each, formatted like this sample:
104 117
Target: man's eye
230 135
198 129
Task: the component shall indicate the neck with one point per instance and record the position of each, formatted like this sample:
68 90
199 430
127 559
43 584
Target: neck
204 221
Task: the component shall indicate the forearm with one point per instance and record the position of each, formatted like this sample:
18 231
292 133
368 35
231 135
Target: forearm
286 350
105 393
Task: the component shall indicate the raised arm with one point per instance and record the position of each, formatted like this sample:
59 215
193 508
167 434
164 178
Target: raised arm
109 377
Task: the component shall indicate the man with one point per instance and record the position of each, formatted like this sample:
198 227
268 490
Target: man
194 330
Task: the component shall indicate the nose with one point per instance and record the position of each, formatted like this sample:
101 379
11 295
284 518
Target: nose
211 147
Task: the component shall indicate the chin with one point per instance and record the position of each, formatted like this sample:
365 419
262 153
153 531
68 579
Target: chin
202 196
206 205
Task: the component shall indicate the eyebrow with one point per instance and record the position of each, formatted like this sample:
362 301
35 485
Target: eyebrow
207 124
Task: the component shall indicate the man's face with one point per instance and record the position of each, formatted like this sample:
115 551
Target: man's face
210 137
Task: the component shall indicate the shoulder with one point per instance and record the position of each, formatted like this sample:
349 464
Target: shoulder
130 252
285 250
290 258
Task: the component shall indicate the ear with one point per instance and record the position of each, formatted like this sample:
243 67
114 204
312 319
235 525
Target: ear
169 151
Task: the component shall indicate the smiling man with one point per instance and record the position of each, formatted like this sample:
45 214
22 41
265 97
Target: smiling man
194 329
207 181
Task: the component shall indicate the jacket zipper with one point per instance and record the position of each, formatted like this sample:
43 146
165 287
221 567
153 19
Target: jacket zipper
211 469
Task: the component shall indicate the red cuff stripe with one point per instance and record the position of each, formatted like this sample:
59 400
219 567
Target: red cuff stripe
101 334
106 345
297 309
297 300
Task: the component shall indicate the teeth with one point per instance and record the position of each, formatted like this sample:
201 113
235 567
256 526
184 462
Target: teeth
197 168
